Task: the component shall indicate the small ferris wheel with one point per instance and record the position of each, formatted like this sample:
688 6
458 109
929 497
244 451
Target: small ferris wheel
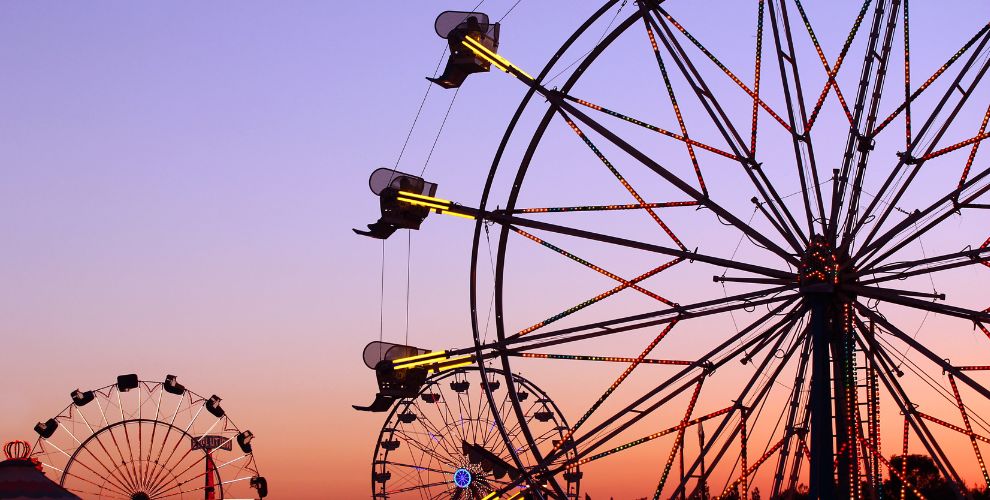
143 440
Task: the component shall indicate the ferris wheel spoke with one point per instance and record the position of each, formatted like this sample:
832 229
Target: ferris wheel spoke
980 36
673 99
859 142
707 366
411 439
598 298
721 121
974 149
686 140
831 83
503 218
103 407
604 359
793 407
102 487
804 154
663 14
627 283
878 355
959 259
162 473
90 452
672 179
603 208
115 477
911 220
746 300
904 300
922 349
796 342
622 180
622 377
679 439
909 157
436 434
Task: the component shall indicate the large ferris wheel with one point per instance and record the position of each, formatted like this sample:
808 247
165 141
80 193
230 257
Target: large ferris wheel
764 272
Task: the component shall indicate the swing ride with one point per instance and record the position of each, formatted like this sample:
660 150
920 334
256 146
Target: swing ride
808 312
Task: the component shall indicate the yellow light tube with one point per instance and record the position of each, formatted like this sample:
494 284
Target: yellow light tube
424 197
432 354
467 360
455 214
492 57
423 203
485 54
491 496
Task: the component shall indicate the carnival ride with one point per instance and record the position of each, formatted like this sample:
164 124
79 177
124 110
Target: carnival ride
145 440
836 326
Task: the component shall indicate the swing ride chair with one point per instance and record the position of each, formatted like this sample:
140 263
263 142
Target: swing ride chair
843 261
393 384
455 26
394 190
144 440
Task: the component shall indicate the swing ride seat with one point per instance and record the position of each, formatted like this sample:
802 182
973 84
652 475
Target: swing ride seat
387 183
392 384
455 26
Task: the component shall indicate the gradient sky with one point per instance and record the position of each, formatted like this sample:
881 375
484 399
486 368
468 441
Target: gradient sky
179 180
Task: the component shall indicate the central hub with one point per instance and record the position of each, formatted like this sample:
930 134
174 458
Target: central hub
820 267
462 478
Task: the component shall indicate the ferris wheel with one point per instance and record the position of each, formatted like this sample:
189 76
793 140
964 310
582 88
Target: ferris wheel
443 443
143 440
766 272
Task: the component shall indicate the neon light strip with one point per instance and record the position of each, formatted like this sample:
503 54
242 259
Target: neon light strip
969 429
651 437
673 102
838 62
756 465
606 359
499 61
622 180
891 469
585 263
904 459
679 440
422 359
972 152
458 363
596 298
423 203
424 197
956 428
756 79
931 79
652 127
725 70
608 392
973 140
594 208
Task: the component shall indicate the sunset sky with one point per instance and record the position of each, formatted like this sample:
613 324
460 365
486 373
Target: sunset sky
179 181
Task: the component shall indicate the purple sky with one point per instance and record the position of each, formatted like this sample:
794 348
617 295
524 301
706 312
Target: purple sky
179 180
